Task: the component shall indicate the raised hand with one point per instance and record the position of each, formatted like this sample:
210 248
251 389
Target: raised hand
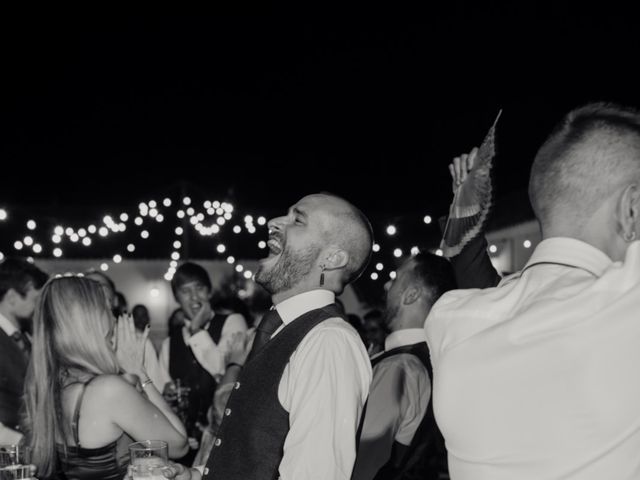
239 347
461 166
202 317
130 346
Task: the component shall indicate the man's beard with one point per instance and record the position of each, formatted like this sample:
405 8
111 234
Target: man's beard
288 271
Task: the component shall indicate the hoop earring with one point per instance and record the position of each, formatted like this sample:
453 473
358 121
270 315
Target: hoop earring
629 237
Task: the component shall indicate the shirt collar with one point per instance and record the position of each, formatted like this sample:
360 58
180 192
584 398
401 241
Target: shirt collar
298 305
571 252
404 337
6 325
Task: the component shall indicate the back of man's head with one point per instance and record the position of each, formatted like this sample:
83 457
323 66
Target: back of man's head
351 230
18 274
433 273
593 152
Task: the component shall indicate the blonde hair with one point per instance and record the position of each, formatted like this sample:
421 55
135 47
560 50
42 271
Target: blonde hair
70 328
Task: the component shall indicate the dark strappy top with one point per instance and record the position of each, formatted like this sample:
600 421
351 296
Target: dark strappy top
108 462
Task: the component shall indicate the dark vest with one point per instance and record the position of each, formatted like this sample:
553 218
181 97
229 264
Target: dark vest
423 458
253 431
183 365
13 369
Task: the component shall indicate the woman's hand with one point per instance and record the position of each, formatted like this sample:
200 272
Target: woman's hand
130 346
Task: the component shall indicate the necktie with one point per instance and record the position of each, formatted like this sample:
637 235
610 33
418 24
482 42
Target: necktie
269 324
23 342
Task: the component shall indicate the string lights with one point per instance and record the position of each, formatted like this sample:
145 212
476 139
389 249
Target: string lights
211 218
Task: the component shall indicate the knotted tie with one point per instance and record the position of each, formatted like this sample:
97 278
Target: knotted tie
269 324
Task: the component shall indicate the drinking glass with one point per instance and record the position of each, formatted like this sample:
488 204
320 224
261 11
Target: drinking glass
12 454
11 472
148 458
14 462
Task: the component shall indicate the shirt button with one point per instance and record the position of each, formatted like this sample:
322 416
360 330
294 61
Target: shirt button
237 385
227 412
218 442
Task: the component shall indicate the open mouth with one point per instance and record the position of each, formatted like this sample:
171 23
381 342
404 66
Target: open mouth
275 245
196 306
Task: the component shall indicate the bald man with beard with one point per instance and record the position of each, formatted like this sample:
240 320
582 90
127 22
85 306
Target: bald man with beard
295 409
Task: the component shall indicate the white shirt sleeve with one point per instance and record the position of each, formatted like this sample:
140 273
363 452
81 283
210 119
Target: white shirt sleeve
324 388
210 355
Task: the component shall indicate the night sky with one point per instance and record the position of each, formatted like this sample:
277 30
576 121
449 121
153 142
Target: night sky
100 114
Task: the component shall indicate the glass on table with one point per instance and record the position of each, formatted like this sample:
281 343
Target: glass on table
147 459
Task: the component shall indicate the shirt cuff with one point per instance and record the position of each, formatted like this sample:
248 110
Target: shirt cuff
207 353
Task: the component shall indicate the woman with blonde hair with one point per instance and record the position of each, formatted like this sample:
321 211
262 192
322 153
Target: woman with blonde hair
87 400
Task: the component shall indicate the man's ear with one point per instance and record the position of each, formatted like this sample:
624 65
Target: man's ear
337 259
629 212
411 294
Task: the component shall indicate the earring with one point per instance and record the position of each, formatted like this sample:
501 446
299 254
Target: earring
322 267
629 237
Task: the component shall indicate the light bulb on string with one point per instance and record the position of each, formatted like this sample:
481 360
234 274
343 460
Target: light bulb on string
152 204
221 248
37 248
262 220
56 239
179 231
3 214
230 259
427 219
57 252
92 229
69 231
180 214
17 245
28 241
58 230
397 253
190 211
103 232
239 268
138 221
186 201
391 230
237 229
117 258
374 276
166 202
144 234
104 267
82 233
86 241
177 244
131 248
376 247
124 217
31 225
248 274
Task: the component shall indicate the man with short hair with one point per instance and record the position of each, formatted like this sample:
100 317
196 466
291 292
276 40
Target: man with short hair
295 409
20 285
536 378
196 354
399 435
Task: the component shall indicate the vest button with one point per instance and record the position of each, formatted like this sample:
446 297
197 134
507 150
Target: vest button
227 412
218 442
237 385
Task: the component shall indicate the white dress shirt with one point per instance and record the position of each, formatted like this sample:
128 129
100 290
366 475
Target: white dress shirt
323 387
538 377
7 325
398 400
210 356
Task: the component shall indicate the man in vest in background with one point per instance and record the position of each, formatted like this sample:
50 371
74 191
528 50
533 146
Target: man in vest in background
20 285
295 409
195 355
399 434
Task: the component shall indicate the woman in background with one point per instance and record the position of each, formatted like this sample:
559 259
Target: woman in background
85 402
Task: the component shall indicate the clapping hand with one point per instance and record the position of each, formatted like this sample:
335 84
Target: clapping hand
130 346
